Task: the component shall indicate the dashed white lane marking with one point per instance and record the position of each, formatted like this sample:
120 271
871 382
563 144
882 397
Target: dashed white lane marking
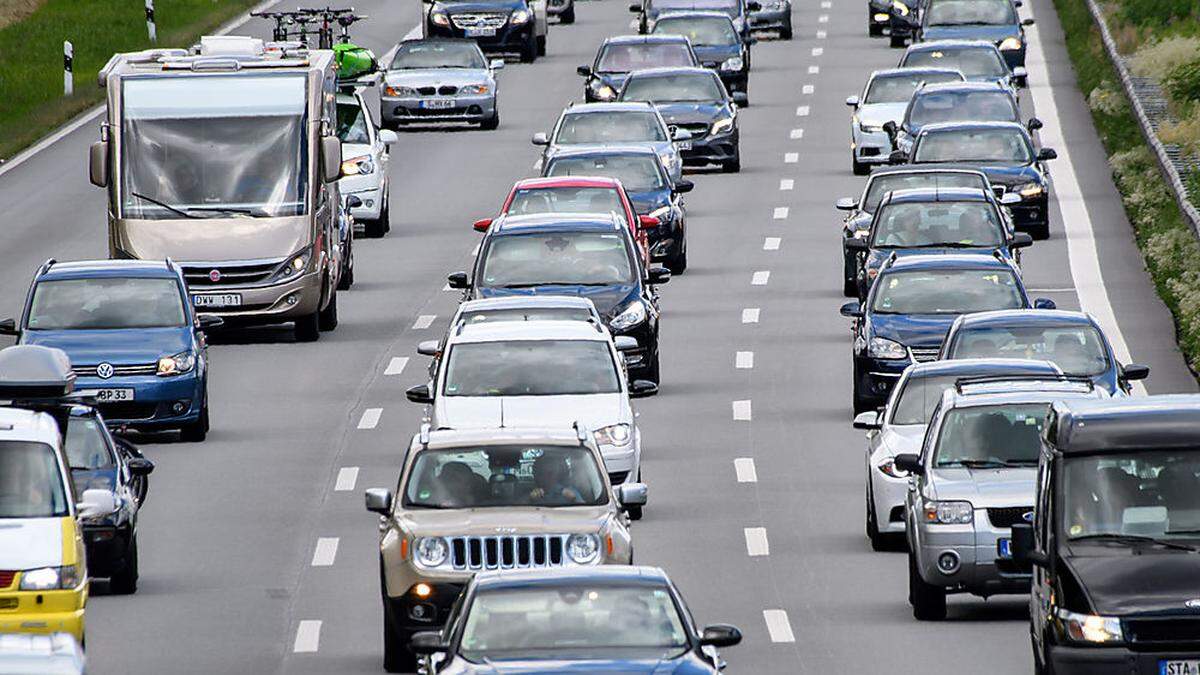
744 360
741 411
325 552
745 470
760 278
308 637
817 51
346 479
756 541
824 18
370 418
791 158
771 243
396 365
802 111
778 626
750 315
781 213
796 134
814 70
787 184
826 4
806 89
424 321
821 35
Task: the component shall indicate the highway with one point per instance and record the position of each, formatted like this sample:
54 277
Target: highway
751 429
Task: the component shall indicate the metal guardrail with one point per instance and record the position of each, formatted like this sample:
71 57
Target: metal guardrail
1149 107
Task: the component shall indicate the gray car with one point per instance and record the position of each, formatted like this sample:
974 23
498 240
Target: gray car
603 124
972 481
435 80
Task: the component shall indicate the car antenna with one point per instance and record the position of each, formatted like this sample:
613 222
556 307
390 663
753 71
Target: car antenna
501 413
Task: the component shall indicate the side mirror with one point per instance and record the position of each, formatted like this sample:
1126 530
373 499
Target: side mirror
852 310
354 201
419 394
9 327
388 137
753 6
209 321
1135 371
631 494
98 163
1044 303
584 71
496 64
428 347
868 420
1020 73
1034 124
648 222
427 642
1010 199
910 463
740 98
1047 154
889 126
658 275
540 138
1024 548
379 500
140 466
846 204
720 635
635 8
852 101
457 280
857 244
97 504
898 157
482 224
642 389
1027 22
1021 240
331 158
625 343
684 185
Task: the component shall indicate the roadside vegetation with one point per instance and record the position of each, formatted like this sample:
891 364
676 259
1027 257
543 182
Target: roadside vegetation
31 62
1162 37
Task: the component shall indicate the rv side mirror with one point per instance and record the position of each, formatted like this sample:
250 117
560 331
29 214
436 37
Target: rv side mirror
98 163
331 158
910 463
1021 240
9 327
379 500
1024 548
419 394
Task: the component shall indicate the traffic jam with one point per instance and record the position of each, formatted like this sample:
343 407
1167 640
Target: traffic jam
1010 446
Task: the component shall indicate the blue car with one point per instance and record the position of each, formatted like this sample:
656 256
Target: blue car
993 20
1071 340
134 341
717 44
618 56
603 619
695 100
911 306
977 60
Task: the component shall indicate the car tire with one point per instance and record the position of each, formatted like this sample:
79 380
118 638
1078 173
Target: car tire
347 278
678 263
733 165
197 431
397 658
878 541
928 601
327 319
785 33
849 276
568 15
375 229
125 581
896 41
635 512
492 123
859 168
541 45
653 373
529 50
307 329
861 403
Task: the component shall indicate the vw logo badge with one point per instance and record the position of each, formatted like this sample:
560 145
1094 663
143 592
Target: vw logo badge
214 275
104 371
1027 516
1194 603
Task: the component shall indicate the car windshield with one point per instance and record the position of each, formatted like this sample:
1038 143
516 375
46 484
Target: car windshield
624 58
526 314
352 123
730 7
947 292
938 224
970 13
558 258
963 106
972 62
681 88
1077 350
106 303
531 368
637 173
531 201
899 87
214 146
974 145
576 618
418 55
616 126
1148 493
919 397
31 485
993 435
507 475
708 31
87 445
881 184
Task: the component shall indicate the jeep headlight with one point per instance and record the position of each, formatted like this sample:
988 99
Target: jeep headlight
474 89
358 166
614 434
900 8
949 513
583 548
431 551
734 63
1029 190
519 16
176 364
1010 44
722 126
629 317
1090 628
883 348
50 578
292 267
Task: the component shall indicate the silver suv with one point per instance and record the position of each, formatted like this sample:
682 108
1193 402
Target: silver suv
972 481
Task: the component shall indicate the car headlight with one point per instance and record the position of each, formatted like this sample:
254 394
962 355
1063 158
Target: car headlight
888 467
1090 628
614 434
722 126
900 8
431 551
883 348
439 18
176 364
399 91
669 160
50 578
949 513
631 316
474 89
519 16
358 166
292 267
583 548
602 91
733 63
1029 190
870 128
1010 44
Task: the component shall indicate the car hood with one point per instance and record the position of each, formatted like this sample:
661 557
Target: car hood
208 239
30 543
485 412
684 665
913 330
515 520
686 113
877 114
436 76
614 80
1006 174
1120 580
132 346
986 488
492 6
994 34
898 439
879 255
713 55
607 299
645 202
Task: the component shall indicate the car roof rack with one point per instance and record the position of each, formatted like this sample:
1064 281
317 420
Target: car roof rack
50 262
424 434
963 382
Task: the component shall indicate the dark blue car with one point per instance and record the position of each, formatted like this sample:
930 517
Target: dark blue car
956 102
606 619
1071 340
590 256
717 44
693 100
993 20
618 56
911 306
133 339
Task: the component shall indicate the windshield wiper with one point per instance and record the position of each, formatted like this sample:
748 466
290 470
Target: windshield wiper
974 463
1134 539
173 209
225 209
555 283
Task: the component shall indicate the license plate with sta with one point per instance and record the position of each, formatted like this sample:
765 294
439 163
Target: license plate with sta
1189 667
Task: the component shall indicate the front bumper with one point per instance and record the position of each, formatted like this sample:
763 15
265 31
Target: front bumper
870 147
267 304
158 402
108 549
403 110
1031 213
43 612
876 377
1111 660
508 38
980 570
712 149
413 613
887 497
771 17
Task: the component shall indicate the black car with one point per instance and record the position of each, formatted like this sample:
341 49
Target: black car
1115 538
956 102
693 99
618 56
717 44
648 11
900 17
992 20
590 256
507 26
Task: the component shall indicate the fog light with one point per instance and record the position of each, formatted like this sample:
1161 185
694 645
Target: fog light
422 612
178 407
423 590
292 298
369 203
948 562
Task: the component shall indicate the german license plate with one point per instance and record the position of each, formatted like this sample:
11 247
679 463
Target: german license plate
1191 667
481 32
111 395
218 300
437 103
1004 548
683 145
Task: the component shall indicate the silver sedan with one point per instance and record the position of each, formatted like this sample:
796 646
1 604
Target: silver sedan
435 80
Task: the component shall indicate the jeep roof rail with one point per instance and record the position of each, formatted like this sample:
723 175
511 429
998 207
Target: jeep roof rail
50 262
424 434
581 431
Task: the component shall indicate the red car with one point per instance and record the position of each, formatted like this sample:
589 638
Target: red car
575 194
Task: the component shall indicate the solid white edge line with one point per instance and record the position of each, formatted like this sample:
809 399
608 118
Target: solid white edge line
370 418
778 626
325 552
750 315
347 477
745 470
743 360
742 411
308 637
396 365
756 541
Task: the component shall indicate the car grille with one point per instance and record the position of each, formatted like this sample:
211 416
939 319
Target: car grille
506 552
488 20
6 578
698 129
138 369
230 275
444 90
1162 631
1008 516
128 410
617 477
924 354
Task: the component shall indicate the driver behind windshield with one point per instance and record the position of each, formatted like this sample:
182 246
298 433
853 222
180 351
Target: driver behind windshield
991 436
505 476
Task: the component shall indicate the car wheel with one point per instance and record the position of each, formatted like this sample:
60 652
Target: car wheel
678 262
327 319
375 229
492 122
529 50
568 15
896 41
306 329
347 278
635 512
877 539
861 403
849 272
652 373
928 601
859 168
396 656
125 581
785 33
1041 231
541 45
197 431
733 165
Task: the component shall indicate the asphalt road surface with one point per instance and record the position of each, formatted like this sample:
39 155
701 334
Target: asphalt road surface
230 534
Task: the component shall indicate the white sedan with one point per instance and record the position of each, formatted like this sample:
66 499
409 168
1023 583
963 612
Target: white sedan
364 163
